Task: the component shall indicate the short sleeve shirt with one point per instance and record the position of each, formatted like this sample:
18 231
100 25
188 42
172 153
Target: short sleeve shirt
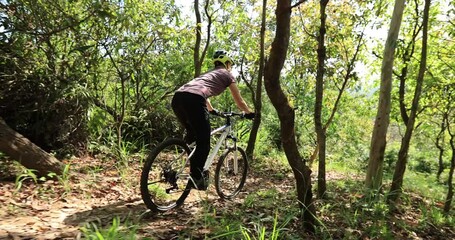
209 84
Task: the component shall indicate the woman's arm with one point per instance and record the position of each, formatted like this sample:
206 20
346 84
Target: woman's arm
209 105
241 104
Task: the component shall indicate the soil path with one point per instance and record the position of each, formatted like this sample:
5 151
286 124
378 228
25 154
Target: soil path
94 193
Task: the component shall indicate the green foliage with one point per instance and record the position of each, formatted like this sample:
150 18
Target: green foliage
93 55
435 216
93 231
425 185
64 179
261 232
424 165
268 198
37 69
231 226
27 174
390 158
269 138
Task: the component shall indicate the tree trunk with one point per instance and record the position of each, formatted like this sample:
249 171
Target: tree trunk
381 124
258 98
440 146
197 57
400 168
302 173
197 44
408 54
320 131
25 152
448 202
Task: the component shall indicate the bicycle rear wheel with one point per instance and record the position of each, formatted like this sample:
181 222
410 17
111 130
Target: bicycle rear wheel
164 178
230 173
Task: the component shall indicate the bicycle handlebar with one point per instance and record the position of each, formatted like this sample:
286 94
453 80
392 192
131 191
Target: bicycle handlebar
231 114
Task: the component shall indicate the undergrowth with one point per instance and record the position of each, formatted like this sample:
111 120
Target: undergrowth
270 210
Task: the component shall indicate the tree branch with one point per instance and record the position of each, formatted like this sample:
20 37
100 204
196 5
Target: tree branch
298 3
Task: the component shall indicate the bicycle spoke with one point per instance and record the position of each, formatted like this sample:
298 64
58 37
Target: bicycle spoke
151 183
231 173
163 179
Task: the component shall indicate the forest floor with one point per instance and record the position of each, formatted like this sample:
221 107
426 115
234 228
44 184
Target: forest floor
97 192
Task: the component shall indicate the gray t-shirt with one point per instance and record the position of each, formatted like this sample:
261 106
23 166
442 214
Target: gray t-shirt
209 84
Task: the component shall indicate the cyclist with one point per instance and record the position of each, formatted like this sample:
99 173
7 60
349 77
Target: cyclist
191 105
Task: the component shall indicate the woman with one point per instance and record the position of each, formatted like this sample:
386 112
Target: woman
191 105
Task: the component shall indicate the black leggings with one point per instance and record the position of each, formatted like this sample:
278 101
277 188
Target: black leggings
191 111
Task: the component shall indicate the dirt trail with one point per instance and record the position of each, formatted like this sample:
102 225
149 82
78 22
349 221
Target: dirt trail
97 193
47 211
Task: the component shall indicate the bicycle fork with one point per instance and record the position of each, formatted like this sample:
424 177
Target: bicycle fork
235 160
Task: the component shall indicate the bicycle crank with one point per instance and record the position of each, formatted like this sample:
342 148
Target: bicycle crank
170 176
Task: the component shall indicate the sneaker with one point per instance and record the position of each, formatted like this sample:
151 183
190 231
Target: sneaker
200 183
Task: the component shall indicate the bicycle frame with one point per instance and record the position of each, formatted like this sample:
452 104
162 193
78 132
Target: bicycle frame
224 131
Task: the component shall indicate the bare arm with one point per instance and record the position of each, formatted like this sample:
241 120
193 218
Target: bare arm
241 104
209 105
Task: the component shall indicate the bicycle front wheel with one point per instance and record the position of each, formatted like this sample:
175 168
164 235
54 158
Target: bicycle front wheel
164 178
230 173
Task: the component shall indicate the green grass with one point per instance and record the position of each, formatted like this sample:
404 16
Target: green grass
116 230
264 227
425 185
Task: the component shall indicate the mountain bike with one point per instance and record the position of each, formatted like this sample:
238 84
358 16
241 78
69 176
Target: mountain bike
165 179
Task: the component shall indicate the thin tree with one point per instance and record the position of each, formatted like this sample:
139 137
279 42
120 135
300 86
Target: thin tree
440 146
320 131
397 182
348 75
258 93
449 198
381 124
197 56
407 55
286 114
